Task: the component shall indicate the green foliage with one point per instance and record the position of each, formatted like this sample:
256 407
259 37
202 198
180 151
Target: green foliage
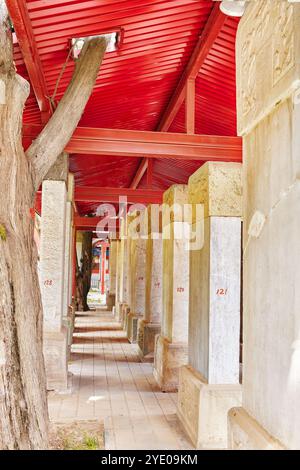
2 232
87 443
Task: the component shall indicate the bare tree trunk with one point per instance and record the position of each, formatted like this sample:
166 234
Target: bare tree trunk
23 401
84 273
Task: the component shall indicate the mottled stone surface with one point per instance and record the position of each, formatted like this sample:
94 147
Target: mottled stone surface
268 51
246 434
272 190
112 267
52 254
55 354
202 408
218 187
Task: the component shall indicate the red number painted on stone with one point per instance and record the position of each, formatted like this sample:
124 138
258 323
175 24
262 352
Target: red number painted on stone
222 291
140 278
157 284
180 289
48 282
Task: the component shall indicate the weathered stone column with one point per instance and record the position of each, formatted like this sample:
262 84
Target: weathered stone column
209 385
268 81
172 344
137 274
111 297
68 313
117 277
150 325
122 272
52 271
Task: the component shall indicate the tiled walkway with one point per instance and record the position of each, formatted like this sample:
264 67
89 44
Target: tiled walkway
110 383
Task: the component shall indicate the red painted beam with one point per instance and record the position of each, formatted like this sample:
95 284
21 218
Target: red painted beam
93 141
210 33
113 195
90 223
20 17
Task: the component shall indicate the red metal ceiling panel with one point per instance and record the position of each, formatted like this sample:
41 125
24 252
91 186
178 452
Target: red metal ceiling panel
136 82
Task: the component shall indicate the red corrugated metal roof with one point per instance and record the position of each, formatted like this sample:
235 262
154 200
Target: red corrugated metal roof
136 82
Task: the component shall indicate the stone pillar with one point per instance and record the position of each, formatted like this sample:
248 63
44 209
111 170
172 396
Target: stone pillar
111 297
150 325
117 282
137 275
209 385
52 272
121 271
268 81
172 344
68 313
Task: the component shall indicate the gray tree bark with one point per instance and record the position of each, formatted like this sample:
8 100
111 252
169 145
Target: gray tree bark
23 400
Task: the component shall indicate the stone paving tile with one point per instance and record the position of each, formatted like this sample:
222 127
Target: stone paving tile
108 382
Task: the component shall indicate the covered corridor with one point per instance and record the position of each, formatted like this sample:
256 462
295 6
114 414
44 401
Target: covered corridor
150 172
108 382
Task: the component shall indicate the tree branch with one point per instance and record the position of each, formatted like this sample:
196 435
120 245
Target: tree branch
44 151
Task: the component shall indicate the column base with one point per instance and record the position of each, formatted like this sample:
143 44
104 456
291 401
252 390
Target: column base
245 433
56 363
132 327
110 301
203 408
146 339
168 358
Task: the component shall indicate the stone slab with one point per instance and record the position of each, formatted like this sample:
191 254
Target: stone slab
52 255
203 408
244 433
214 311
267 53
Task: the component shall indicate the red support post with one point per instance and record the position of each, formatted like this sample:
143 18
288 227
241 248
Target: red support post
149 173
103 261
190 106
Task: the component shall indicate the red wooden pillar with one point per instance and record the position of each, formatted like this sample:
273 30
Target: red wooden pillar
103 261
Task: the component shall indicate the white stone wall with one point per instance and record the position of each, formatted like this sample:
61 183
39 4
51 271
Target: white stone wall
268 51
